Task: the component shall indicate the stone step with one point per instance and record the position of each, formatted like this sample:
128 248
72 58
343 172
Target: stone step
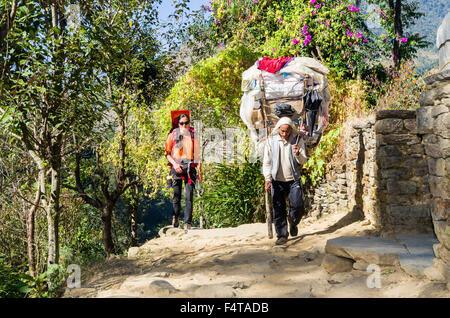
419 254
413 253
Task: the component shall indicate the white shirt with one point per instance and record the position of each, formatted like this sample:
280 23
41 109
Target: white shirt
284 172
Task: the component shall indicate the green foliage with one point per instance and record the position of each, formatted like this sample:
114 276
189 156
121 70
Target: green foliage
410 13
86 245
211 90
13 284
315 167
328 31
402 91
232 194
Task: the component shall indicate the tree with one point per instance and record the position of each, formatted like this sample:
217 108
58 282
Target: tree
7 16
332 32
130 69
46 93
397 17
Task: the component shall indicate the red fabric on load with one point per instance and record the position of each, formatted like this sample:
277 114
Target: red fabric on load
273 65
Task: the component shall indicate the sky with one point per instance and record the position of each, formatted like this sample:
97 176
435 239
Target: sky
167 7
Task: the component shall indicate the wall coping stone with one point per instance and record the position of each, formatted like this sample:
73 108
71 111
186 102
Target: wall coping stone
439 77
402 114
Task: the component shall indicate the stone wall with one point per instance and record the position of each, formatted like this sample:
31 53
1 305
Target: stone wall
403 194
346 184
330 194
384 178
361 168
433 120
396 171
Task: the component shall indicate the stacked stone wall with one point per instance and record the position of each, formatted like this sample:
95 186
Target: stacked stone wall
396 171
384 178
433 120
403 194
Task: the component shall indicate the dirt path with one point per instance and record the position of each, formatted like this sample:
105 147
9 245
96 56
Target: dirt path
243 262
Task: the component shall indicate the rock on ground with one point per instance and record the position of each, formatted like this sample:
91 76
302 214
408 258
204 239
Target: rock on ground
335 264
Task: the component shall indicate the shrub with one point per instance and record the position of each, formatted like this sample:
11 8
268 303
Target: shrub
315 167
13 283
404 89
232 194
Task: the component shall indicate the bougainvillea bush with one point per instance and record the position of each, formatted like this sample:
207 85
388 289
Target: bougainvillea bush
332 31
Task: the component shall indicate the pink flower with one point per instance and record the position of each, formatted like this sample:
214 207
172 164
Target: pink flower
307 40
349 34
358 35
350 43
352 8
312 1
404 40
347 54
317 6
295 41
279 21
327 24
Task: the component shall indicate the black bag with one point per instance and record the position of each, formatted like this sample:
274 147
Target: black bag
312 100
284 110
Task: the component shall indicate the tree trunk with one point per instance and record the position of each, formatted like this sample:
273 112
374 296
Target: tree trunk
9 17
107 229
31 227
133 214
396 8
53 210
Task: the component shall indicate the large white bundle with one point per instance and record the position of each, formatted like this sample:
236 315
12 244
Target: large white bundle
250 78
250 101
285 82
281 85
288 82
299 63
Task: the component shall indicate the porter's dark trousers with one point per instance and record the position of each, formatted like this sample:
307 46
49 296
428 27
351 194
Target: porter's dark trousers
280 190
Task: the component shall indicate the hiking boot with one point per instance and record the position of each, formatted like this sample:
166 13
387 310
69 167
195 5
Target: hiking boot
175 221
281 240
187 226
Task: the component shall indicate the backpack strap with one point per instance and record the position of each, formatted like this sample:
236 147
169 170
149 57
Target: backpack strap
175 137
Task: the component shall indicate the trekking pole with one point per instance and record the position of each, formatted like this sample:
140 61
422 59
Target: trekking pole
268 215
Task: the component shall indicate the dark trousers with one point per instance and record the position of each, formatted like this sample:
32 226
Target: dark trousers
281 190
177 185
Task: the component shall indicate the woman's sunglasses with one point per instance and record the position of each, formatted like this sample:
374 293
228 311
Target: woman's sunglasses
184 123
